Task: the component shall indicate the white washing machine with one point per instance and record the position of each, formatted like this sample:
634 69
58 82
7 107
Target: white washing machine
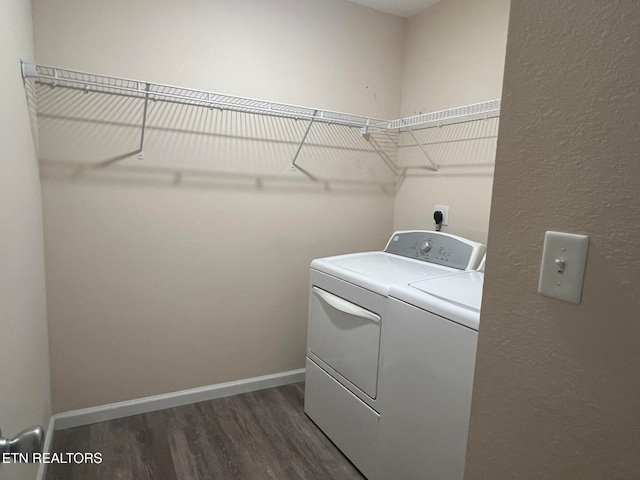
425 386
347 316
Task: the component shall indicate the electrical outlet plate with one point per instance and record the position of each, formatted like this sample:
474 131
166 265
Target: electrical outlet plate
445 213
564 258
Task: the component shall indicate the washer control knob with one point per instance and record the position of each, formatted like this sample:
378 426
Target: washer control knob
425 246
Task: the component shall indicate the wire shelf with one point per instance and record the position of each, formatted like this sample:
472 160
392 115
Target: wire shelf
154 92
476 111
90 82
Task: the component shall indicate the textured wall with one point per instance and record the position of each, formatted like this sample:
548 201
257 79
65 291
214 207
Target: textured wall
191 267
557 385
454 55
25 395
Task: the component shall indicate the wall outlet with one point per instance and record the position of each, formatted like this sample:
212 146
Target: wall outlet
445 213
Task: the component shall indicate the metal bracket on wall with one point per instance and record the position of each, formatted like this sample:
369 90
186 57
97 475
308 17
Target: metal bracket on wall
144 120
424 151
304 138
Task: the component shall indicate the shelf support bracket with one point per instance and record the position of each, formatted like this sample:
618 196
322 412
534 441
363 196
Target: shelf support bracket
144 122
435 167
304 138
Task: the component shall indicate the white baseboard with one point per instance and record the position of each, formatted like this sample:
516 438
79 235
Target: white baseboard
103 413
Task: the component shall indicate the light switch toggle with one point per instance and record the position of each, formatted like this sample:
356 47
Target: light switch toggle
560 264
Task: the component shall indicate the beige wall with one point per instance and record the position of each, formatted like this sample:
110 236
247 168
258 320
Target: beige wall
190 267
25 397
557 385
454 55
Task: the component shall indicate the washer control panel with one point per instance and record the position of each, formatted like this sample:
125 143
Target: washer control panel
437 247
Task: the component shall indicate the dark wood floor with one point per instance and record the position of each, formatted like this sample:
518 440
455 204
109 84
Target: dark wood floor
253 436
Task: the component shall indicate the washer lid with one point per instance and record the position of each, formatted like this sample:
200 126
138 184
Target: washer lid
377 271
464 289
455 297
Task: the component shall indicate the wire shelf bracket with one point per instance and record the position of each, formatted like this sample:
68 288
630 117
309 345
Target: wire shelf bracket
304 138
424 151
144 121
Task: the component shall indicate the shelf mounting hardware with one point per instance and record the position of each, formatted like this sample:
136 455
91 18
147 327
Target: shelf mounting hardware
144 121
304 138
435 167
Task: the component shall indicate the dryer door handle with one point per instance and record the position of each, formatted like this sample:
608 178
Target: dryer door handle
344 306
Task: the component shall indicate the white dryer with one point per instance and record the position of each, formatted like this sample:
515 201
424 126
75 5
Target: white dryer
426 383
347 315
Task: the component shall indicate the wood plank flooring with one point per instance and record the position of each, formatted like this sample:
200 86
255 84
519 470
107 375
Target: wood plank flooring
253 436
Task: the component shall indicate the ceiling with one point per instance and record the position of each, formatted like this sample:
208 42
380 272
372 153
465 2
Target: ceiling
401 8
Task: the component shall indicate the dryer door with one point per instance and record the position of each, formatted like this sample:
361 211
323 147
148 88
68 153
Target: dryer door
346 337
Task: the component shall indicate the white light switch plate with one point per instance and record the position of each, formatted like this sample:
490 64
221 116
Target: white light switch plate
564 259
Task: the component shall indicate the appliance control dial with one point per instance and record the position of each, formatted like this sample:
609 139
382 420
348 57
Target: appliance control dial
425 246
